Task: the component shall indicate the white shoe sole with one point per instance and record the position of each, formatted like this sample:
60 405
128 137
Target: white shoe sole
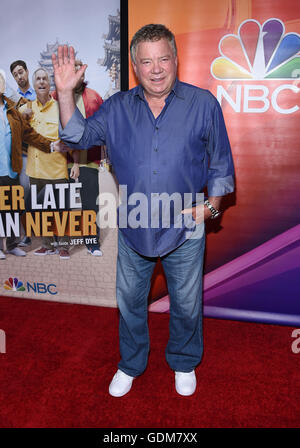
16 255
95 255
117 395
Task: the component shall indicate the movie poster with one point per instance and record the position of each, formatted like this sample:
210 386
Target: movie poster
54 242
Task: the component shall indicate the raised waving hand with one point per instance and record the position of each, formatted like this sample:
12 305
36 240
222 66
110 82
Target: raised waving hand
66 79
65 75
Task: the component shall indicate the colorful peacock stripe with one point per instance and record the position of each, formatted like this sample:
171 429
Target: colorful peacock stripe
258 52
13 284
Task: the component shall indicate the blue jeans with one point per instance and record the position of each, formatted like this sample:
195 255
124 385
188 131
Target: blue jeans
183 268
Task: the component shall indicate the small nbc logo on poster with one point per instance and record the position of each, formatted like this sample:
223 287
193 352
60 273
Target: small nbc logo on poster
258 52
13 284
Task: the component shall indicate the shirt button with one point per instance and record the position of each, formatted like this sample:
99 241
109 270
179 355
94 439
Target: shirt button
155 149
154 172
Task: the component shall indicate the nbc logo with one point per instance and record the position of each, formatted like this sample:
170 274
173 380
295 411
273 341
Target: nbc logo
258 53
13 284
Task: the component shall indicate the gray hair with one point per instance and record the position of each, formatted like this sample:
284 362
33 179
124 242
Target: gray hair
152 33
37 70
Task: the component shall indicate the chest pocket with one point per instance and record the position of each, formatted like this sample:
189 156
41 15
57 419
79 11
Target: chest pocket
51 130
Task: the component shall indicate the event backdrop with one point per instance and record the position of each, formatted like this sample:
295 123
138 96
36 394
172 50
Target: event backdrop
246 52
31 31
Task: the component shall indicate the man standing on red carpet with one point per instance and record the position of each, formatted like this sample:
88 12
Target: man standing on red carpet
164 137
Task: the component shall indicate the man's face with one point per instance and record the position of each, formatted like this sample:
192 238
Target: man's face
155 67
21 76
41 84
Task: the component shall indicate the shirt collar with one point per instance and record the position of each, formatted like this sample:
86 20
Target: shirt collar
30 90
139 91
5 105
48 104
177 89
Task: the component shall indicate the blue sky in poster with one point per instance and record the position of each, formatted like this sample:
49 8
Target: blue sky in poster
27 26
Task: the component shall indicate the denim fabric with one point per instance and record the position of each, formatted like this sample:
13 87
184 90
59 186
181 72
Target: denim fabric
184 269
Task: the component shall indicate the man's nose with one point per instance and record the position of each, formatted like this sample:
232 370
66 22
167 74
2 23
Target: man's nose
156 67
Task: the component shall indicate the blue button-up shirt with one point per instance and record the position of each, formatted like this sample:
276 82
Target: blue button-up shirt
5 144
183 150
29 94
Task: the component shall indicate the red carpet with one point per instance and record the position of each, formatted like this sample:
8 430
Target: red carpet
60 359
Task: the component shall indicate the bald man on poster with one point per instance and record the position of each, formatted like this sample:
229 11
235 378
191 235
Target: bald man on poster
163 137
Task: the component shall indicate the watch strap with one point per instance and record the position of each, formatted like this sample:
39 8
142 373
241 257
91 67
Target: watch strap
214 212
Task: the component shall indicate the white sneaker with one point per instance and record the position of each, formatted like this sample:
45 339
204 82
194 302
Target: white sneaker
96 252
185 383
120 384
2 255
17 252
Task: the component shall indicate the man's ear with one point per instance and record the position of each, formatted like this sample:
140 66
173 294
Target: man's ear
134 67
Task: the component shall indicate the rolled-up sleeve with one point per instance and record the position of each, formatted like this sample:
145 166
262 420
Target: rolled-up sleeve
84 133
221 169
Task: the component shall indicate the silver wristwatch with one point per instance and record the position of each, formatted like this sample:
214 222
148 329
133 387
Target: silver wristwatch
214 212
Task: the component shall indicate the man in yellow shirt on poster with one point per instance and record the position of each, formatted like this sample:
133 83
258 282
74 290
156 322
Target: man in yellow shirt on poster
44 169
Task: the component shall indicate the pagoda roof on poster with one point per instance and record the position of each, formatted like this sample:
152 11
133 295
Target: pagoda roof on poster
51 48
114 27
114 47
115 19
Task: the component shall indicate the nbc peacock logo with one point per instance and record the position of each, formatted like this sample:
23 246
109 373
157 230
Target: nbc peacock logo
258 52
14 284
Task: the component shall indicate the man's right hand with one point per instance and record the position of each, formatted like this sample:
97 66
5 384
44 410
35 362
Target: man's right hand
65 76
60 146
